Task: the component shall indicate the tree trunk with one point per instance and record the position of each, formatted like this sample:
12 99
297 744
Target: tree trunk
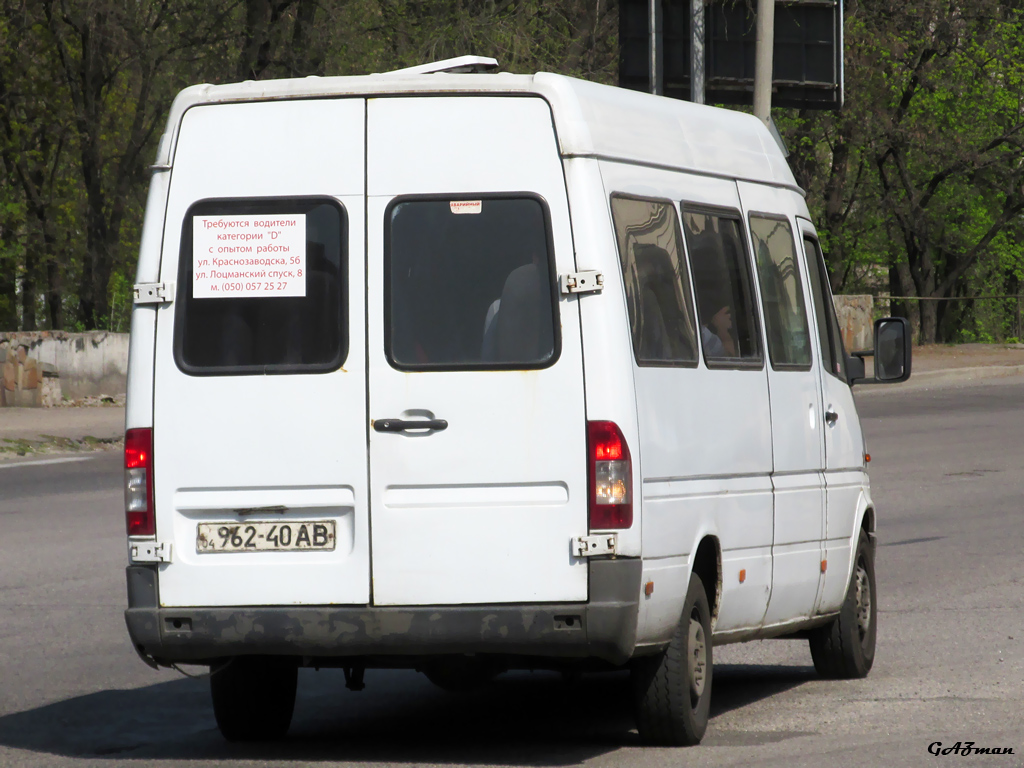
98 261
28 288
901 284
256 43
304 60
8 283
54 295
929 322
836 193
582 37
10 224
97 266
34 183
897 307
942 311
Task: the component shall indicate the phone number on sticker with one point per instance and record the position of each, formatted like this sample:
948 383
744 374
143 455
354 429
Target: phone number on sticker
278 286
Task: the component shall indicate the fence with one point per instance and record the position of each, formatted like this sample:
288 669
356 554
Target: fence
41 367
998 318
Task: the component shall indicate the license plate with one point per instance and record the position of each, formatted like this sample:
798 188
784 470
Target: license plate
295 535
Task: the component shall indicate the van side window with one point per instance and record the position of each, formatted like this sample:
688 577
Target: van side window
656 279
831 339
785 315
469 284
262 288
729 331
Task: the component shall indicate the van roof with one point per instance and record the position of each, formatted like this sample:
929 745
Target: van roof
591 120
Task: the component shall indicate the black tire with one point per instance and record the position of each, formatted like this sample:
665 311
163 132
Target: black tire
254 697
672 690
844 649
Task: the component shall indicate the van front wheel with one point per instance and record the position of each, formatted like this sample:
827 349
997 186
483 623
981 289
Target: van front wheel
844 649
254 697
672 690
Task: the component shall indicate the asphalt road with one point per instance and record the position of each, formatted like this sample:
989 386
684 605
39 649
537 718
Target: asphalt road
948 479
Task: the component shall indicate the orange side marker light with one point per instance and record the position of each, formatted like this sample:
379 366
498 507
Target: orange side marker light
743 575
649 588
824 565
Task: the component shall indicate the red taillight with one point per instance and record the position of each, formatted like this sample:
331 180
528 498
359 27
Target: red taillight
138 482
610 474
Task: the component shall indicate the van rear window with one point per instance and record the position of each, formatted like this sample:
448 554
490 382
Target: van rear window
261 288
469 284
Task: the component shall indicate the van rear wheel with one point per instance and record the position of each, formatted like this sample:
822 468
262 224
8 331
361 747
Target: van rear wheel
844 649
672 690
254 697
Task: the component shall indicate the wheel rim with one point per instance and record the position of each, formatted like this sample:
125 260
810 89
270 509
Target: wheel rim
863 602
697 658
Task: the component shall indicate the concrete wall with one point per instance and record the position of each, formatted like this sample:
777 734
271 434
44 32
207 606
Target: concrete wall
96 363
93 363
856 321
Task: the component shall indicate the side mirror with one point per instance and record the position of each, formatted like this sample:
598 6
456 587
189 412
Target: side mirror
891 353
892 349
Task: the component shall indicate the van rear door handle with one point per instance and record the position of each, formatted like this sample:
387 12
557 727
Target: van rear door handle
831 417
401 425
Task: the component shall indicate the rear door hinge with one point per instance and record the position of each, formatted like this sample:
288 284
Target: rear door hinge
590 281
597 544
154 293
149 552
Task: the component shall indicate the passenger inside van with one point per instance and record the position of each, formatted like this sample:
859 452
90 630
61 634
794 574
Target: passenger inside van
523 323
716 329
517 327
722 283
666 333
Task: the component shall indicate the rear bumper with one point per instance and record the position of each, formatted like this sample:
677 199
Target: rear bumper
602 628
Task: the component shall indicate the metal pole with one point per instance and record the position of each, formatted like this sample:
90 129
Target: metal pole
697 51
763 59
654 49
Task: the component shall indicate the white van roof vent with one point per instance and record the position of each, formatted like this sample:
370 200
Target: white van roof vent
458 65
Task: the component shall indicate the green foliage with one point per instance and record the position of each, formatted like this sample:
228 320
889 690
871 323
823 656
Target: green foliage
916 186
85 86
121 296
575 37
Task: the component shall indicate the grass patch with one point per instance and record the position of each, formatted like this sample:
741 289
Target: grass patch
19 446
55 444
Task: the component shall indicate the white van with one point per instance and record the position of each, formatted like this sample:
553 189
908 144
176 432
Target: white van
467 372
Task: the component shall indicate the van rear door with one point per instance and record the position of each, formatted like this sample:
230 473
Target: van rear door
260 470
478 438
